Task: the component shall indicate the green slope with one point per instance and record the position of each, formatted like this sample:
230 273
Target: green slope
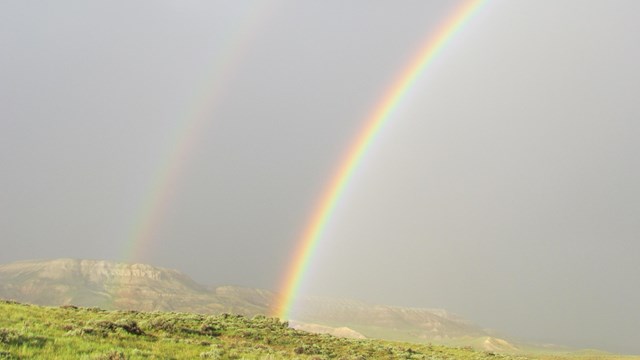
35 332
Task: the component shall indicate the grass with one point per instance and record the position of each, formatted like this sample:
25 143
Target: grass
69 332
36 332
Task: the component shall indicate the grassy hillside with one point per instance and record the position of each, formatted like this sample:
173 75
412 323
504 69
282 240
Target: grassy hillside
121 286
33 332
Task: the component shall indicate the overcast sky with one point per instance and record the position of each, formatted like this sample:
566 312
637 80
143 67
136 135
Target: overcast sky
505 188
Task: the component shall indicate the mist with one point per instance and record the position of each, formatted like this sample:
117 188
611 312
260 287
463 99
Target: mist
503 188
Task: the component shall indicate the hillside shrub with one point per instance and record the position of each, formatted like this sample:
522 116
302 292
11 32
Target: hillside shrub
130 326
112 355
6 355
12 337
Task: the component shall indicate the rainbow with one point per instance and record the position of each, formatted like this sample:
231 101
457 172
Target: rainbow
373 125
187 135
189 128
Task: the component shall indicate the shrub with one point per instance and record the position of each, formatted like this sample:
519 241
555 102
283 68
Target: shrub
112 355
15 338
213 354
129 326
210 330
6 355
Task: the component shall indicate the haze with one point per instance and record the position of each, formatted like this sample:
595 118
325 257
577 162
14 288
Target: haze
504 188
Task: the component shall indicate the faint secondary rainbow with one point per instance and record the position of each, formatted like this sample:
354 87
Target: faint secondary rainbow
190 127
373 125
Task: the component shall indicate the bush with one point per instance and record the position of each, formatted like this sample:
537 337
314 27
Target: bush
213 354
129 326
6 355
164 323
15 338
210 330
112 355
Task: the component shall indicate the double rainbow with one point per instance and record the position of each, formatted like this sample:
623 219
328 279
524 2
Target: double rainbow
381 114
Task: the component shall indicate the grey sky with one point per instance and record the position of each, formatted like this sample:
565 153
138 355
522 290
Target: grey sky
504 188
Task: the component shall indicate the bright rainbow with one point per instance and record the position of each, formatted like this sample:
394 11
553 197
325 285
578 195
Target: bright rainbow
379 117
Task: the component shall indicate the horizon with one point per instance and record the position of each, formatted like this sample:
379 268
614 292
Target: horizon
492 333
200 136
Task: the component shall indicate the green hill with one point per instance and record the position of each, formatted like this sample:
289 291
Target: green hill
120 286
36 332
144 288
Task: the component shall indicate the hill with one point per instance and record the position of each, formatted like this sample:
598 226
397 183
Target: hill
30 331
112 285
387 322
119 286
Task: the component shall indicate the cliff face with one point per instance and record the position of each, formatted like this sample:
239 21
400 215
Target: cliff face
92 271
98 283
